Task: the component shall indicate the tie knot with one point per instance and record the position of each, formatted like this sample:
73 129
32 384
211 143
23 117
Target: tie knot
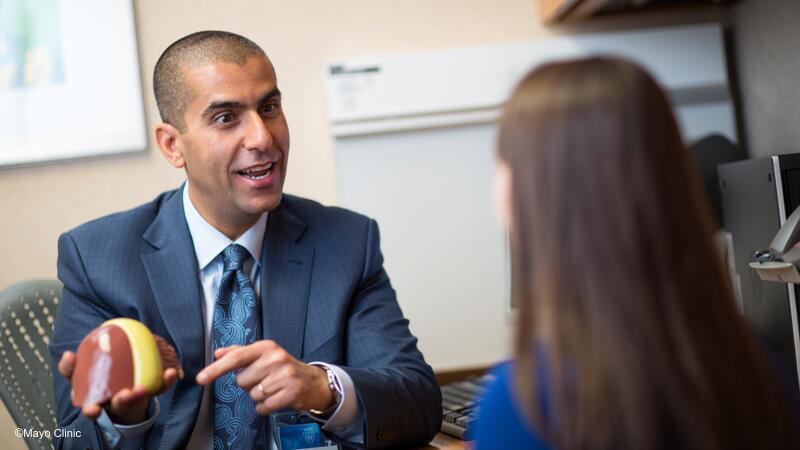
234 256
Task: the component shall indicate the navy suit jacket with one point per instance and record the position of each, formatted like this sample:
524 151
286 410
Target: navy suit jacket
324 297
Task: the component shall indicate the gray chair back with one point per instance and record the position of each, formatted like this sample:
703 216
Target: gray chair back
27 314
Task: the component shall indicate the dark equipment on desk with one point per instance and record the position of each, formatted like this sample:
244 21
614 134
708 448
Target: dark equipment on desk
709 152
460 404
757 195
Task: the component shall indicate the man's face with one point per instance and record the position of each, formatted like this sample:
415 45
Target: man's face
236 142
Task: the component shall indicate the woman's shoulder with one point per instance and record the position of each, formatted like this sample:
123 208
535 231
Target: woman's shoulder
500 424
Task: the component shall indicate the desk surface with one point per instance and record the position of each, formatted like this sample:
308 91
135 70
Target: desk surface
445 441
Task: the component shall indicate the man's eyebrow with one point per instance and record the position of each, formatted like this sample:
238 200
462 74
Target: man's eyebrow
273 93
226 104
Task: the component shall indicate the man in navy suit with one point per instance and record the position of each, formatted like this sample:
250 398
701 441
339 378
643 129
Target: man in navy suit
227 256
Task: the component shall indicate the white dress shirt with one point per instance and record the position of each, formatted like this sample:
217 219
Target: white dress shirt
346 421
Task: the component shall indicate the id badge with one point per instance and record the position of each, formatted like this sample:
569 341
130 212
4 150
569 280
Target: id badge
295 431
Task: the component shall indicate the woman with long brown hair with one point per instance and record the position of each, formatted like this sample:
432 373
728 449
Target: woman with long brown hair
627 335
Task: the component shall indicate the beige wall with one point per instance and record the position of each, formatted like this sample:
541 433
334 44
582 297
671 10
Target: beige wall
768 60
39 203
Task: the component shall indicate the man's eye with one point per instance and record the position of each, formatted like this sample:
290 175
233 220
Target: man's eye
224 118
270 108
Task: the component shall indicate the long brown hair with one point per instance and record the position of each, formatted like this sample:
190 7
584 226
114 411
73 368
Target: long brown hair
616 276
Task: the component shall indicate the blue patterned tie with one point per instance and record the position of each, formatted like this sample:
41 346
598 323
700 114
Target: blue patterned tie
237 321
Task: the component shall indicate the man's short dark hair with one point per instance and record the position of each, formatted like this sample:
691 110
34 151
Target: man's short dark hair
204 47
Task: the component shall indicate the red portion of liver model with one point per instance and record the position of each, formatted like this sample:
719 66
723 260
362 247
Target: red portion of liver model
103 366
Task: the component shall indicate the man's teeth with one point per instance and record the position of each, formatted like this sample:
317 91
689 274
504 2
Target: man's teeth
258 172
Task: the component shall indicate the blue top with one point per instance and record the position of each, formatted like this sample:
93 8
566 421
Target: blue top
500 425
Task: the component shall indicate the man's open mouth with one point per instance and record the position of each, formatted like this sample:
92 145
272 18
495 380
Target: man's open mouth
257 172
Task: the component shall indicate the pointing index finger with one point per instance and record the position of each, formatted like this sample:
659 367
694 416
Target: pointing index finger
234 359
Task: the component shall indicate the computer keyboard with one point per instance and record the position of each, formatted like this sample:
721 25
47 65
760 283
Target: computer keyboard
460 404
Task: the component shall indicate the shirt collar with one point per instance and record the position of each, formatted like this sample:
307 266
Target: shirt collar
210 242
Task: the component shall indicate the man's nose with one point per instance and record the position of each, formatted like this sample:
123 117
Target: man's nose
257 135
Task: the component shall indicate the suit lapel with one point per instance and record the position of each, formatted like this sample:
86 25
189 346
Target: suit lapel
286 265
172 271
173 274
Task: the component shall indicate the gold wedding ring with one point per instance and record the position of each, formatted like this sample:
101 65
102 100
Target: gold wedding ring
261 388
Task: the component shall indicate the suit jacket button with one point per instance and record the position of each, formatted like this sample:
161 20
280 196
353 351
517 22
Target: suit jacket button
385 435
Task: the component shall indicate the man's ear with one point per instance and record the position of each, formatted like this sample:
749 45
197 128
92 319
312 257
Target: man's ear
171 148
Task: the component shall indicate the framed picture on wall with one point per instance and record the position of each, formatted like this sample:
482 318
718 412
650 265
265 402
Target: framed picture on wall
70 85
